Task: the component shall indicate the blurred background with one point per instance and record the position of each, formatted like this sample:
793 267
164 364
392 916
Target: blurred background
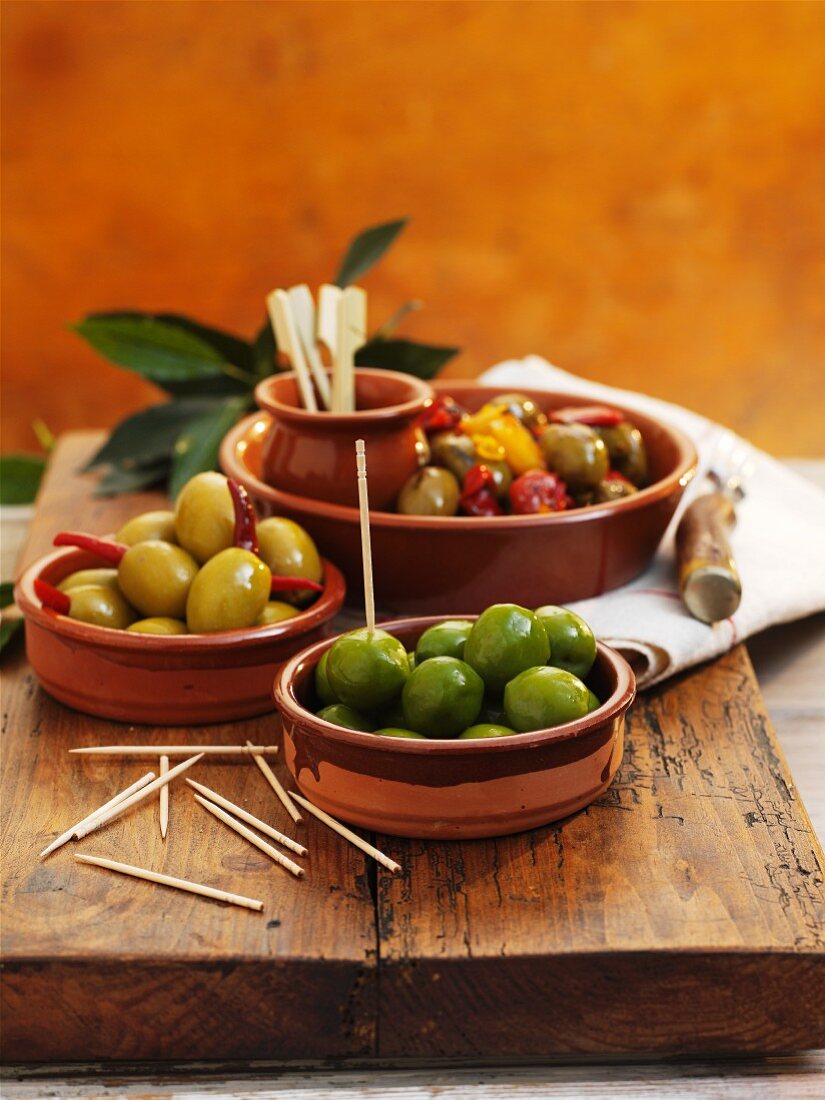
633 190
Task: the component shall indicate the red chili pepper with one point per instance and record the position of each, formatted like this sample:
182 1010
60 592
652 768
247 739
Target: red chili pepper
293 584
595 416
478 497
614 475
539 491
439 415
109 551
52 597
246 536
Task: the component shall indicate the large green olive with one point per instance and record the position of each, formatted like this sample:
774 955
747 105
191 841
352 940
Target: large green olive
572 643
484 730
323 688
340 715
445 639
505 640
155 577
442 697
397 731
275 612
432 491
367 669
576 453
148 525
106 577
229 592
289 552
100 605
539 698
523 408
205 516
158 624
455 451
627 451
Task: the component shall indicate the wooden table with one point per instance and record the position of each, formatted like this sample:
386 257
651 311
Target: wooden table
439 877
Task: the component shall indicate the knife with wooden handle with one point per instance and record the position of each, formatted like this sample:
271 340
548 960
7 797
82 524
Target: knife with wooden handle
708 578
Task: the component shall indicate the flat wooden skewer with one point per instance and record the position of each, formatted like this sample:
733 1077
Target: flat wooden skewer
286 336
175 750
247 834
169 880
303 311
164 798
102 818
272 780
348 834
136 786
366 545
245 815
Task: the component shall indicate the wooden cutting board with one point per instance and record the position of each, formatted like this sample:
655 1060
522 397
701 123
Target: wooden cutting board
680 914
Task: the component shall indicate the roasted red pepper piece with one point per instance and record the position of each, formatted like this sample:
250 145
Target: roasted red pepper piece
52 597
478 493
246 535
614 475
595 416
539 491
106 549
294 584
440 415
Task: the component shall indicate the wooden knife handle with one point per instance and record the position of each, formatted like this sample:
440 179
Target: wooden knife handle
708 579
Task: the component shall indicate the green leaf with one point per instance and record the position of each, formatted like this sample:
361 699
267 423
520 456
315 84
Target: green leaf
366 250
150 435
197 447
6 593
131 479
230 348
422 360
20 476
263 350
8 627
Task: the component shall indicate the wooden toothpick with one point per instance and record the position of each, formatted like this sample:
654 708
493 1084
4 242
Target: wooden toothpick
136 786
219 800
164 798
272 779
286 336
169 880
348 834
103 818
366 545
175 750
247 834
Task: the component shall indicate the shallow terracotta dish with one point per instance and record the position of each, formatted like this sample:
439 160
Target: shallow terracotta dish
424 563
161 680
452 789
313 452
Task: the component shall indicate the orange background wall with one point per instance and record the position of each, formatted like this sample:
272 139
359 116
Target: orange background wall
634 190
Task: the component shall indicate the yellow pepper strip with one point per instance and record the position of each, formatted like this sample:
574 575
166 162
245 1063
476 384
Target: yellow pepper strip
521 452
488 448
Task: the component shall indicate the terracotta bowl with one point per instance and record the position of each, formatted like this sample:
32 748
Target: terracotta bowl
161 680
313 453
452 789
423 564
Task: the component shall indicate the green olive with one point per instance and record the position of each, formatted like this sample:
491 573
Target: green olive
398 731
148 525
627 451
572 643
158 625
100 605
576 453
229 592
455 451
323 688
502 478
340 715
432 491
289 552
275 612
442 697
367 669
539 698
445 639
613 488
485 729
155 577
205 516
505 640
593 701
105 577
523 408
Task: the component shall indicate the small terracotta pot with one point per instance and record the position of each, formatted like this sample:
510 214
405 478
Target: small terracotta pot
313 453
452 789
169 680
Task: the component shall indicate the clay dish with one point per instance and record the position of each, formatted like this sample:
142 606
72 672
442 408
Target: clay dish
452 789
423 564
169 680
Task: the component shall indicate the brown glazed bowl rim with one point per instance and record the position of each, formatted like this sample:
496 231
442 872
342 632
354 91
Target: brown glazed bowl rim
681 474
283 691
420 391
325 608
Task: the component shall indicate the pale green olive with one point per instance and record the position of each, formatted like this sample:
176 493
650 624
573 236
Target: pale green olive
205 516
432 491
290 552
275 612
229 592
158 624
155 577
101 606
105 577
148 525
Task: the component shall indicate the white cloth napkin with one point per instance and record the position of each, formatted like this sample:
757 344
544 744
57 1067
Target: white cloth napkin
778 544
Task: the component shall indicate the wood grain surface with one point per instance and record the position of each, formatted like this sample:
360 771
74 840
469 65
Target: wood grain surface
682 913
630 189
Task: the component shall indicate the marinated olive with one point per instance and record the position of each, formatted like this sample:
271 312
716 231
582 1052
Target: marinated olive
613 488
289 552
205 516
156 576
443 640
523 408
276 612
100 605
572 644
485 729
228 593
158 624
350 719
627 451
367 669
397 731
105 577
442 697
505 640
576 453
432 491
323 688
454 451
539 698
148 525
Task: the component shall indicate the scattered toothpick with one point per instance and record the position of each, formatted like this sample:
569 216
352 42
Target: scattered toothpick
118 798
102 818
247 834
164 798
366 546
245 815
175 750
347 834
272 780
170 880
